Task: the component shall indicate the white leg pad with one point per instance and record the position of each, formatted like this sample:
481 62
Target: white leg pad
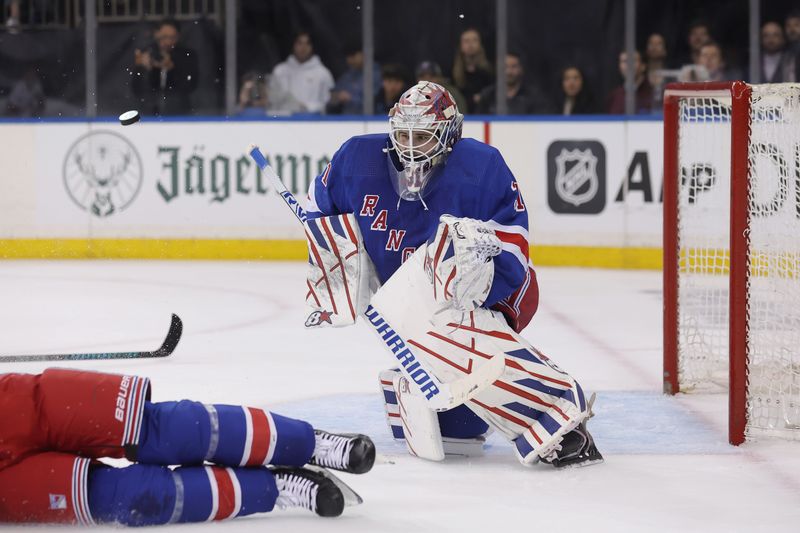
531 401
420 423
471 447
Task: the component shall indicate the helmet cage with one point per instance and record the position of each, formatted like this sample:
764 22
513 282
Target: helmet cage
424 126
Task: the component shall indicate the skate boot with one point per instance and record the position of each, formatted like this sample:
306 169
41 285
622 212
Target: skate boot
300 487
576 449
348 452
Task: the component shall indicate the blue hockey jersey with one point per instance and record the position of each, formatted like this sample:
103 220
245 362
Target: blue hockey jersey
475 182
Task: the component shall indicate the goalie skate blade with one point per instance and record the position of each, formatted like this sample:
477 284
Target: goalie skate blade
582 464
351 497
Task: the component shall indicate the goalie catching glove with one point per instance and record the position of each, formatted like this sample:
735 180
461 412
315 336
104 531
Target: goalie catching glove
341 277
458 261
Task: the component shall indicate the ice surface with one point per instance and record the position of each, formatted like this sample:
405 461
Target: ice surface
668 466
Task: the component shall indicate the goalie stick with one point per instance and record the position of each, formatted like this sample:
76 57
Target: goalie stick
440 396
167 347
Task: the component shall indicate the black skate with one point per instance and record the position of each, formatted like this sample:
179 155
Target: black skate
576 449
348 452
300 487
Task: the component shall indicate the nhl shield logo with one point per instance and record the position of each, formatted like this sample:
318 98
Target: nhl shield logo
576 177
102 173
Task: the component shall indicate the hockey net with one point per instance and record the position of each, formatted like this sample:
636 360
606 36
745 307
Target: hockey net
732 250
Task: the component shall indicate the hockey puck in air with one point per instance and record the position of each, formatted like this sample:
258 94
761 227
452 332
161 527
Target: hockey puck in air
129 117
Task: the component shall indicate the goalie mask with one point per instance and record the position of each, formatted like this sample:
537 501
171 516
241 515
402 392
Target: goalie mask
423 127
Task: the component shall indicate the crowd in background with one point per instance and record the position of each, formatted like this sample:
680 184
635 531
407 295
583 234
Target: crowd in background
164 75
302 83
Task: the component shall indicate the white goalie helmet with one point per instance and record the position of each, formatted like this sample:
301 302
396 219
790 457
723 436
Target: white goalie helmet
423 127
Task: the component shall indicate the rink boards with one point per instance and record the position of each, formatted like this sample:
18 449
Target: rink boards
186 189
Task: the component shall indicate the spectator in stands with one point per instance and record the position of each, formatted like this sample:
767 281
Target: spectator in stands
253 94
431 71
26 98
522 98
699 34
644 91
165 75
301 84
573 97
792 28
394 81
472 71
656 61
656 57
713 61
777 64
347 96
12 20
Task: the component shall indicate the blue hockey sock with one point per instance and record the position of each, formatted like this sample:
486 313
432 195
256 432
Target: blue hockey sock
144 495
296 441
186 432
138 495
249 436
174 433
216 493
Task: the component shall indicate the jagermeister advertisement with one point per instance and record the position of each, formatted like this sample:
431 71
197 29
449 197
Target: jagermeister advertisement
181 179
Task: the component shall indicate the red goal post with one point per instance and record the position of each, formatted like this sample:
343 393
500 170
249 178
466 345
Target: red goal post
731 313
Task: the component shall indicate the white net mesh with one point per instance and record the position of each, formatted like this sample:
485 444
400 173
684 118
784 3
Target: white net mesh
773 392
703 230
773 314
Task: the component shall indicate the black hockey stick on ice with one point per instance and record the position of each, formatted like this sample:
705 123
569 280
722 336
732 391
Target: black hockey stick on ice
440 396
167 347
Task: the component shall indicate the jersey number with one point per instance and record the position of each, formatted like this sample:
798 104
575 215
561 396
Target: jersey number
519 205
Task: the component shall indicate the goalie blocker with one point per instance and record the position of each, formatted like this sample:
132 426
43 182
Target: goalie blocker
340 277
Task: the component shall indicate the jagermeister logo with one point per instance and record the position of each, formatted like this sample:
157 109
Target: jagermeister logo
102 173
217 177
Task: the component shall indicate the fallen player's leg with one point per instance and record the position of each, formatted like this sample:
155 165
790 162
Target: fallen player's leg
189 432
49 472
